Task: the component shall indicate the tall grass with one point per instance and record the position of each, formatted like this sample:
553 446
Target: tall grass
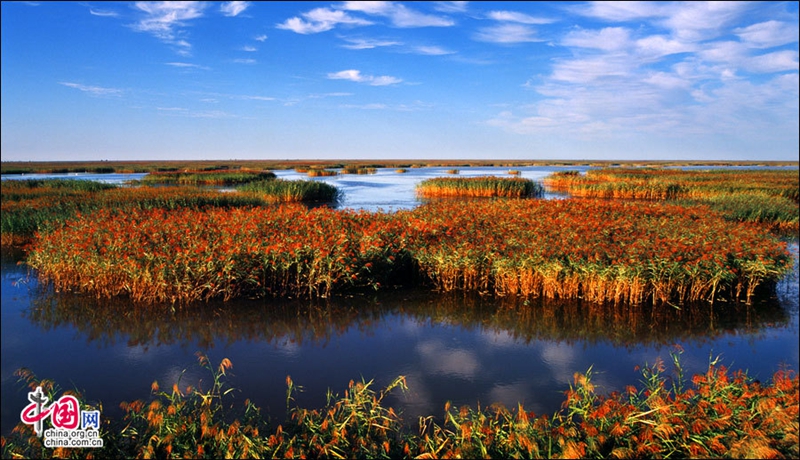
758 195
483 186
716 414
321 172
211 177
600 251
292 191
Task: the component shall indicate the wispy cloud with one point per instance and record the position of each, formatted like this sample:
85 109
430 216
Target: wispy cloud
507 33
260 38
513 27
245 61
103 13
320 20
768 34
367 43
93 90
431 50
355 75
233 8
249 49
450 7
398 14
164 20
184 112
607 39
513 16
186 65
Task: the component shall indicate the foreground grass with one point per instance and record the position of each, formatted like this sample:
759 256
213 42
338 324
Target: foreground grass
718 414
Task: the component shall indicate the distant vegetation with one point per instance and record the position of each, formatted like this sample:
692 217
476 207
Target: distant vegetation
213 177
754 195
29 167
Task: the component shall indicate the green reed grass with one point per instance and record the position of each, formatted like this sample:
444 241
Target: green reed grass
280 190
211 177
716 414
757 195
482 186
355 169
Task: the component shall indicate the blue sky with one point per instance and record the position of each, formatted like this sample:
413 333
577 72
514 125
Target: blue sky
393 80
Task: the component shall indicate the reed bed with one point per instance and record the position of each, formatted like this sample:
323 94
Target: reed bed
597 250
185 255
767 196
715 414
483 186
355 169
284 191
321 172
214 177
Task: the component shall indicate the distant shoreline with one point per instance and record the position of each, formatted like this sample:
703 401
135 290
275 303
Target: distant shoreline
134 166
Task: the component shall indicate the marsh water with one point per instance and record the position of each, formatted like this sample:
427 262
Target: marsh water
467 349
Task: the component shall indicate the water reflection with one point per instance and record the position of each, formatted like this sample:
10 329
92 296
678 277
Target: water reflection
316 323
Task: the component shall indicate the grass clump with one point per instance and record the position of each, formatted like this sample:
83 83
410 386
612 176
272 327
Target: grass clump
483 186
207 177
284 191
755 195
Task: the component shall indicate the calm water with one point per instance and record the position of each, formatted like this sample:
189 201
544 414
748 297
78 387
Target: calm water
465 349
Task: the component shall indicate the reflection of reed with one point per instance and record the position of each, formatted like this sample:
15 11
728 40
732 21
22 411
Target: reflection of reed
318 321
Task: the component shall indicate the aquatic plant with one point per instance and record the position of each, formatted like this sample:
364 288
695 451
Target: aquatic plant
597 250
207 177
755 195
283 191
482 186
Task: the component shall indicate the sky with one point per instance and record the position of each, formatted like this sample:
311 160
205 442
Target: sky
393 80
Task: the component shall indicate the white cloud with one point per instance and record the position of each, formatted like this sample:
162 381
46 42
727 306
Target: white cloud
590 69
233 8
103 13
768 34
187 65
320 20
697 21
507 33
93 90
164 20
355 75
260 38
398 14
249 48
431 50
657 46
513 16
608 39
245 61
779 61
622 11
450 7
367 43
